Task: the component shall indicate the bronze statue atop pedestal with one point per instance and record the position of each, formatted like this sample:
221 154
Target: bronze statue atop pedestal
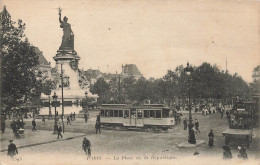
68 36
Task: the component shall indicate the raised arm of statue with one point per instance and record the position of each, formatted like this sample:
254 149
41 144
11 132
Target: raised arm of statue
60 17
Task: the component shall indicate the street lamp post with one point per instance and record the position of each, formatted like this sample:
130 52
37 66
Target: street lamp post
62 99
192 139
55 105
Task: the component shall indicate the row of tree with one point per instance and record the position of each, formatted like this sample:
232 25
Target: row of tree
18 63
207 83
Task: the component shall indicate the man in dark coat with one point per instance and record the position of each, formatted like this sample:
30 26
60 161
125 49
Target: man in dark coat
242 152
197 125
86 117
34 125
3 125
185 123
68 120
211 138
12 150
59 131
97 126
74 116
71 116
86 146
222 113
227 152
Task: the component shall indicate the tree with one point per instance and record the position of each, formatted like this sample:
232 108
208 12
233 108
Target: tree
255 85
101 87
18 62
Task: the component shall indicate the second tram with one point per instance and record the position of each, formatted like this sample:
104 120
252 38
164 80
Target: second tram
151 117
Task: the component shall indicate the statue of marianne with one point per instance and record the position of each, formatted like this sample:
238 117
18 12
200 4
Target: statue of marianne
68 36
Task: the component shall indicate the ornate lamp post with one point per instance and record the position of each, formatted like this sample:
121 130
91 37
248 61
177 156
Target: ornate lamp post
192 139
55 105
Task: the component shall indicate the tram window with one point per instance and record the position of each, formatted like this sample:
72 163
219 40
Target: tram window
133 113
111 113
152 113
102 113
158 113
139 114
120 113
107 113
115 113
126 114
165 113
146 113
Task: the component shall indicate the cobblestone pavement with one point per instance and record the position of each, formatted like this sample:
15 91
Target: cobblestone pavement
111 144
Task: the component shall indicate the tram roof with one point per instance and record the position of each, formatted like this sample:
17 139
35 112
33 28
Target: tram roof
150 106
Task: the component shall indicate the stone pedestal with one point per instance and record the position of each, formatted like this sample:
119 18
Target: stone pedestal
71 89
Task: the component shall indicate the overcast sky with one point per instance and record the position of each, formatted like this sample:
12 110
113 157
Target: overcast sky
154 35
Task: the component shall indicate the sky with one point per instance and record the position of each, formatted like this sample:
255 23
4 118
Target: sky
155 35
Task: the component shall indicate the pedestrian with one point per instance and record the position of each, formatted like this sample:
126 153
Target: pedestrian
97 126
185 123
12 150
59 129
197 125
221 113
242 152
85 117
74 116
68 120
227 152
34 125
3 125
192 139
71 118
86 146
211 138
43 120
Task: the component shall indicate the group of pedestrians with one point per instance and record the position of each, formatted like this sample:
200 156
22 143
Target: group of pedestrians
17 126
227 154
71 117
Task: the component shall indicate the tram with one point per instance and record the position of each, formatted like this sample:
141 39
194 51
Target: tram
240 129
149 117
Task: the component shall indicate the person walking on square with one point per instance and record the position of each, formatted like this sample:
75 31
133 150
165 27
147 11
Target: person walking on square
43 120
74 116
197 125
86 117
221 113
242 152
12 150
34 125
97 126
211 138
86 146
185 123
227 152
3 125
68 120
59 131
71 118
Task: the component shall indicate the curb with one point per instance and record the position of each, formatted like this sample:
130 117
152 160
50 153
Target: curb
52 141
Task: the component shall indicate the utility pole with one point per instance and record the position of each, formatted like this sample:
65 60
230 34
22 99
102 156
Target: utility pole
226 65
119 90
62 99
